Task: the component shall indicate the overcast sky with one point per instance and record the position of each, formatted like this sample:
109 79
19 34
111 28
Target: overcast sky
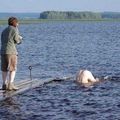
61 5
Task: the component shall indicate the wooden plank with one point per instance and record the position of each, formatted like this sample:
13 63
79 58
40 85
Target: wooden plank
23 86
26 85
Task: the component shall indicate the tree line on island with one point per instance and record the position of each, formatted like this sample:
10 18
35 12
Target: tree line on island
79 15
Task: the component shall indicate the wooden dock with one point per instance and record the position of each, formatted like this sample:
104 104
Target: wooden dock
25 85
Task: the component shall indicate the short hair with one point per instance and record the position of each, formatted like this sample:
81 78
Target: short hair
11 20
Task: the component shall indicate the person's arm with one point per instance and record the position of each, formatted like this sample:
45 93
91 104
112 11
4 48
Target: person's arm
17 37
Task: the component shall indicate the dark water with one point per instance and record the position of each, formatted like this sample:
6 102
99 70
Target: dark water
61 49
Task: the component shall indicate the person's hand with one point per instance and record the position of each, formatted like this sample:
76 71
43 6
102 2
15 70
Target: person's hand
20 37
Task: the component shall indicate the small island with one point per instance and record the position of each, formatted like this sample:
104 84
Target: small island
85 15
46 16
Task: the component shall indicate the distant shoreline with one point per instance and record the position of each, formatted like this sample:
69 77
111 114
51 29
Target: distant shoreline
56 16
33 21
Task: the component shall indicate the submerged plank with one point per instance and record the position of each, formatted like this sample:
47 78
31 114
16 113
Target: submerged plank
27 85
23 86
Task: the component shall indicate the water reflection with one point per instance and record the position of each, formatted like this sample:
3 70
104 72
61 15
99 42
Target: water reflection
10 109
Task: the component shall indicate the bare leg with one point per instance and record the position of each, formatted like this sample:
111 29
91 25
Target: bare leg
12 76
11 85
4 77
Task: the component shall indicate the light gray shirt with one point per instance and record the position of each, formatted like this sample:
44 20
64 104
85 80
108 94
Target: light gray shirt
9 39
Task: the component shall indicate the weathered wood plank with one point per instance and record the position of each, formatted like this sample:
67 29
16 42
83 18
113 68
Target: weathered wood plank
26 85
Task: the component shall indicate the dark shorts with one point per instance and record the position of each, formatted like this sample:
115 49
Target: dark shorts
8 62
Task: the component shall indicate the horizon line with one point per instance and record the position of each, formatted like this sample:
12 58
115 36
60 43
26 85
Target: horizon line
65 11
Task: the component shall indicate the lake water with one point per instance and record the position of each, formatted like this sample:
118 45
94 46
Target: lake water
57 49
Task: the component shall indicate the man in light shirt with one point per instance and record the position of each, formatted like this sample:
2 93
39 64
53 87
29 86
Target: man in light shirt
9 39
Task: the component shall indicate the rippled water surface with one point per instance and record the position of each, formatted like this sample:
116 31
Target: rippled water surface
57 49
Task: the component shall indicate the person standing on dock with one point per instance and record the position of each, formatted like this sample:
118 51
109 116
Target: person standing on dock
9 39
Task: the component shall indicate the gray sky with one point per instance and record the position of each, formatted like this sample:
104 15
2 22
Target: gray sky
61 5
